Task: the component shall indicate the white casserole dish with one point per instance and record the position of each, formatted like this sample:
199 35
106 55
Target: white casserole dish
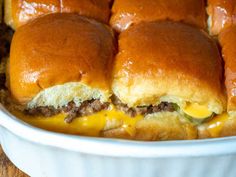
40 153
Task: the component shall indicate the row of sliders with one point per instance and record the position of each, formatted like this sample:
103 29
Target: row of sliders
163 81
19 12
125 13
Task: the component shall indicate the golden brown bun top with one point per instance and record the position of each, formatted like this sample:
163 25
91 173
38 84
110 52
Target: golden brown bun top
222 15
24 10
57 49
171 59
227 40
128 12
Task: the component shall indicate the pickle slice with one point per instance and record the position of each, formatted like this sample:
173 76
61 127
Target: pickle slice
197 111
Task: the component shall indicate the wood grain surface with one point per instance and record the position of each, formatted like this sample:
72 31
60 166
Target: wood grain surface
7 169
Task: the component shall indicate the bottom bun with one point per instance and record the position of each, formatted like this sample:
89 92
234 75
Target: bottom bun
223 128
158 126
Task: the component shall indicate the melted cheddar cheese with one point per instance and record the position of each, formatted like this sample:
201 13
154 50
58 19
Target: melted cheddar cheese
94 124
215 126
89 125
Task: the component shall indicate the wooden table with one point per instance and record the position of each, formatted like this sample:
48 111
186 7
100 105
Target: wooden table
7 169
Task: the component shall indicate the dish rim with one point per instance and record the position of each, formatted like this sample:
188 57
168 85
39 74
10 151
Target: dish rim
117 147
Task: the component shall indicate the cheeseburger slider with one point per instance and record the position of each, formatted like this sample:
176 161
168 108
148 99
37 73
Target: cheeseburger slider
18 12
222 14
170 74
128 12
60 66
225 125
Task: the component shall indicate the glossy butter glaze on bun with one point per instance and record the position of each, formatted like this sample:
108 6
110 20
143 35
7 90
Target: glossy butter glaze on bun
222 14
227 40
18 12
59 58
171 62
125 13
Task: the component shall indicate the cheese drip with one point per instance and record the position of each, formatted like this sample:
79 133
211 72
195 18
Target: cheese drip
215 126
89 125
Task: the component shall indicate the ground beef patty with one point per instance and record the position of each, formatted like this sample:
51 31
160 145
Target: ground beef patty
93 106
143 110
73 111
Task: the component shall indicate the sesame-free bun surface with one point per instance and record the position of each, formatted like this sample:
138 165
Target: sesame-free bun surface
128 12
25 10
58 49
222 14
227 40
168 61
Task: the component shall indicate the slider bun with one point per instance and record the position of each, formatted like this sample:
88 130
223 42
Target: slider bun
125 13
158 126
221 15
20 11
168 61
60 54
228 128
227 40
